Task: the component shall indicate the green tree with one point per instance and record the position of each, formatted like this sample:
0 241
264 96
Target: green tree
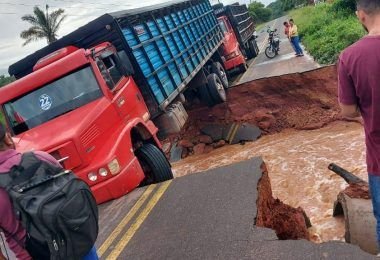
44 25
276 8
346 6
4 80
258 11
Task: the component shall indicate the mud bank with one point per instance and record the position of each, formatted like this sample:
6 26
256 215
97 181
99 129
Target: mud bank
288 222
302 101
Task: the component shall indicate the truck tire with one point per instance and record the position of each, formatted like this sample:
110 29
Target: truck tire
205 96
154 164
253 48
216 89
248 52
218 69
257 48
243 67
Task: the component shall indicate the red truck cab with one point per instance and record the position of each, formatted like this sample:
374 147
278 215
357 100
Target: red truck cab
233 57
83 107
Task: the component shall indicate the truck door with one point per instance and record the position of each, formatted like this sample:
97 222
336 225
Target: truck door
124 93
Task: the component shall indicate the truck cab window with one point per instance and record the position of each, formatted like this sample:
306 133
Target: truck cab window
223 26
112 68
52 100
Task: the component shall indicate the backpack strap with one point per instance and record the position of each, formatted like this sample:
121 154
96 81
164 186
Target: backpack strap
5 180
22 172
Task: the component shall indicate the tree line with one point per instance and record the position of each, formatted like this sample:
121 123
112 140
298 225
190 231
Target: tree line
262 14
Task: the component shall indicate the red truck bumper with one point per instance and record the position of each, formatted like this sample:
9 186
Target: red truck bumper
128 179
234 62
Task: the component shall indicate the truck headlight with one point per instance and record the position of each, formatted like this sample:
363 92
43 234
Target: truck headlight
103 172
92 176
114 166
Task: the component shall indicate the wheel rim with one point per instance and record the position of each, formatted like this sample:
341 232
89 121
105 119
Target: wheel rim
269 52
221 91
222 74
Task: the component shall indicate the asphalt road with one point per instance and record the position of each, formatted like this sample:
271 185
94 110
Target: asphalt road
210 215
285 63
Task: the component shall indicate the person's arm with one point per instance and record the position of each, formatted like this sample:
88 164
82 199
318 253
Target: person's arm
348 100
14 232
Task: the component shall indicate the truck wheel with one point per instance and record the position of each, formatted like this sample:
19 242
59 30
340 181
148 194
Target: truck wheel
205 96
253 47
218 69
154 164
248 52
216 89
243 67
257 48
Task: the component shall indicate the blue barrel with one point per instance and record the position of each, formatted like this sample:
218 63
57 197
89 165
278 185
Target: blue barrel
171 45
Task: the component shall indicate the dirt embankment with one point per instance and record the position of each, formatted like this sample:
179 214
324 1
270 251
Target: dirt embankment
358 191
302 101
288 222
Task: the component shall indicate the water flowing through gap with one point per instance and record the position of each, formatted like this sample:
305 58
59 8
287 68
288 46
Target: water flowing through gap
297 163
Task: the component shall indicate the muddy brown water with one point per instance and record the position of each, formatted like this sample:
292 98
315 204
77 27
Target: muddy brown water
297 163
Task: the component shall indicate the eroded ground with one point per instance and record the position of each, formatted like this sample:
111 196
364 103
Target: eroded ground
287 109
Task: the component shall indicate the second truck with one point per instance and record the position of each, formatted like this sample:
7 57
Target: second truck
239 29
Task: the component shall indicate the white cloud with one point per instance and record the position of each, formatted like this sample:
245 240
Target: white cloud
79 13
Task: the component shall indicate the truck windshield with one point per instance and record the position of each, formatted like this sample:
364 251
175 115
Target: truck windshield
52 100
223 26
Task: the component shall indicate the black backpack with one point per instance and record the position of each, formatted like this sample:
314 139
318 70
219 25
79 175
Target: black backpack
56 208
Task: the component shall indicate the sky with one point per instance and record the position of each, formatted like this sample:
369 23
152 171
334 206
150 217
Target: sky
79 12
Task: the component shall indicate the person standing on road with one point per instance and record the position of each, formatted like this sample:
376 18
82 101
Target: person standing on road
287 28
294 38
15 234
286 31
359 92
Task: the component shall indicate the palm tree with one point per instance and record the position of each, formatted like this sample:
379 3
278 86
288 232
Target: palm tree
44 25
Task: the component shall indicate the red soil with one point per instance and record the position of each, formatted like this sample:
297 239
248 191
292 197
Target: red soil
288 222
302 101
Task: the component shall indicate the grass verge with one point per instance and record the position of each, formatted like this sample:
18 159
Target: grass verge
324 32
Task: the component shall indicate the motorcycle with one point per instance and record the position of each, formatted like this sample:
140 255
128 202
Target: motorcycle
274 44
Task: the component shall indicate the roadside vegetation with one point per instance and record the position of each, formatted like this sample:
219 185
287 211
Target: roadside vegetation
327 29
259 12
4 80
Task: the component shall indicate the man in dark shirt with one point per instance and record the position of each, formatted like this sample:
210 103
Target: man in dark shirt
359 91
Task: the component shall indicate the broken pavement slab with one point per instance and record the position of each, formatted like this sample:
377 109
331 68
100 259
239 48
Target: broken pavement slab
233 133
176 153
210 215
